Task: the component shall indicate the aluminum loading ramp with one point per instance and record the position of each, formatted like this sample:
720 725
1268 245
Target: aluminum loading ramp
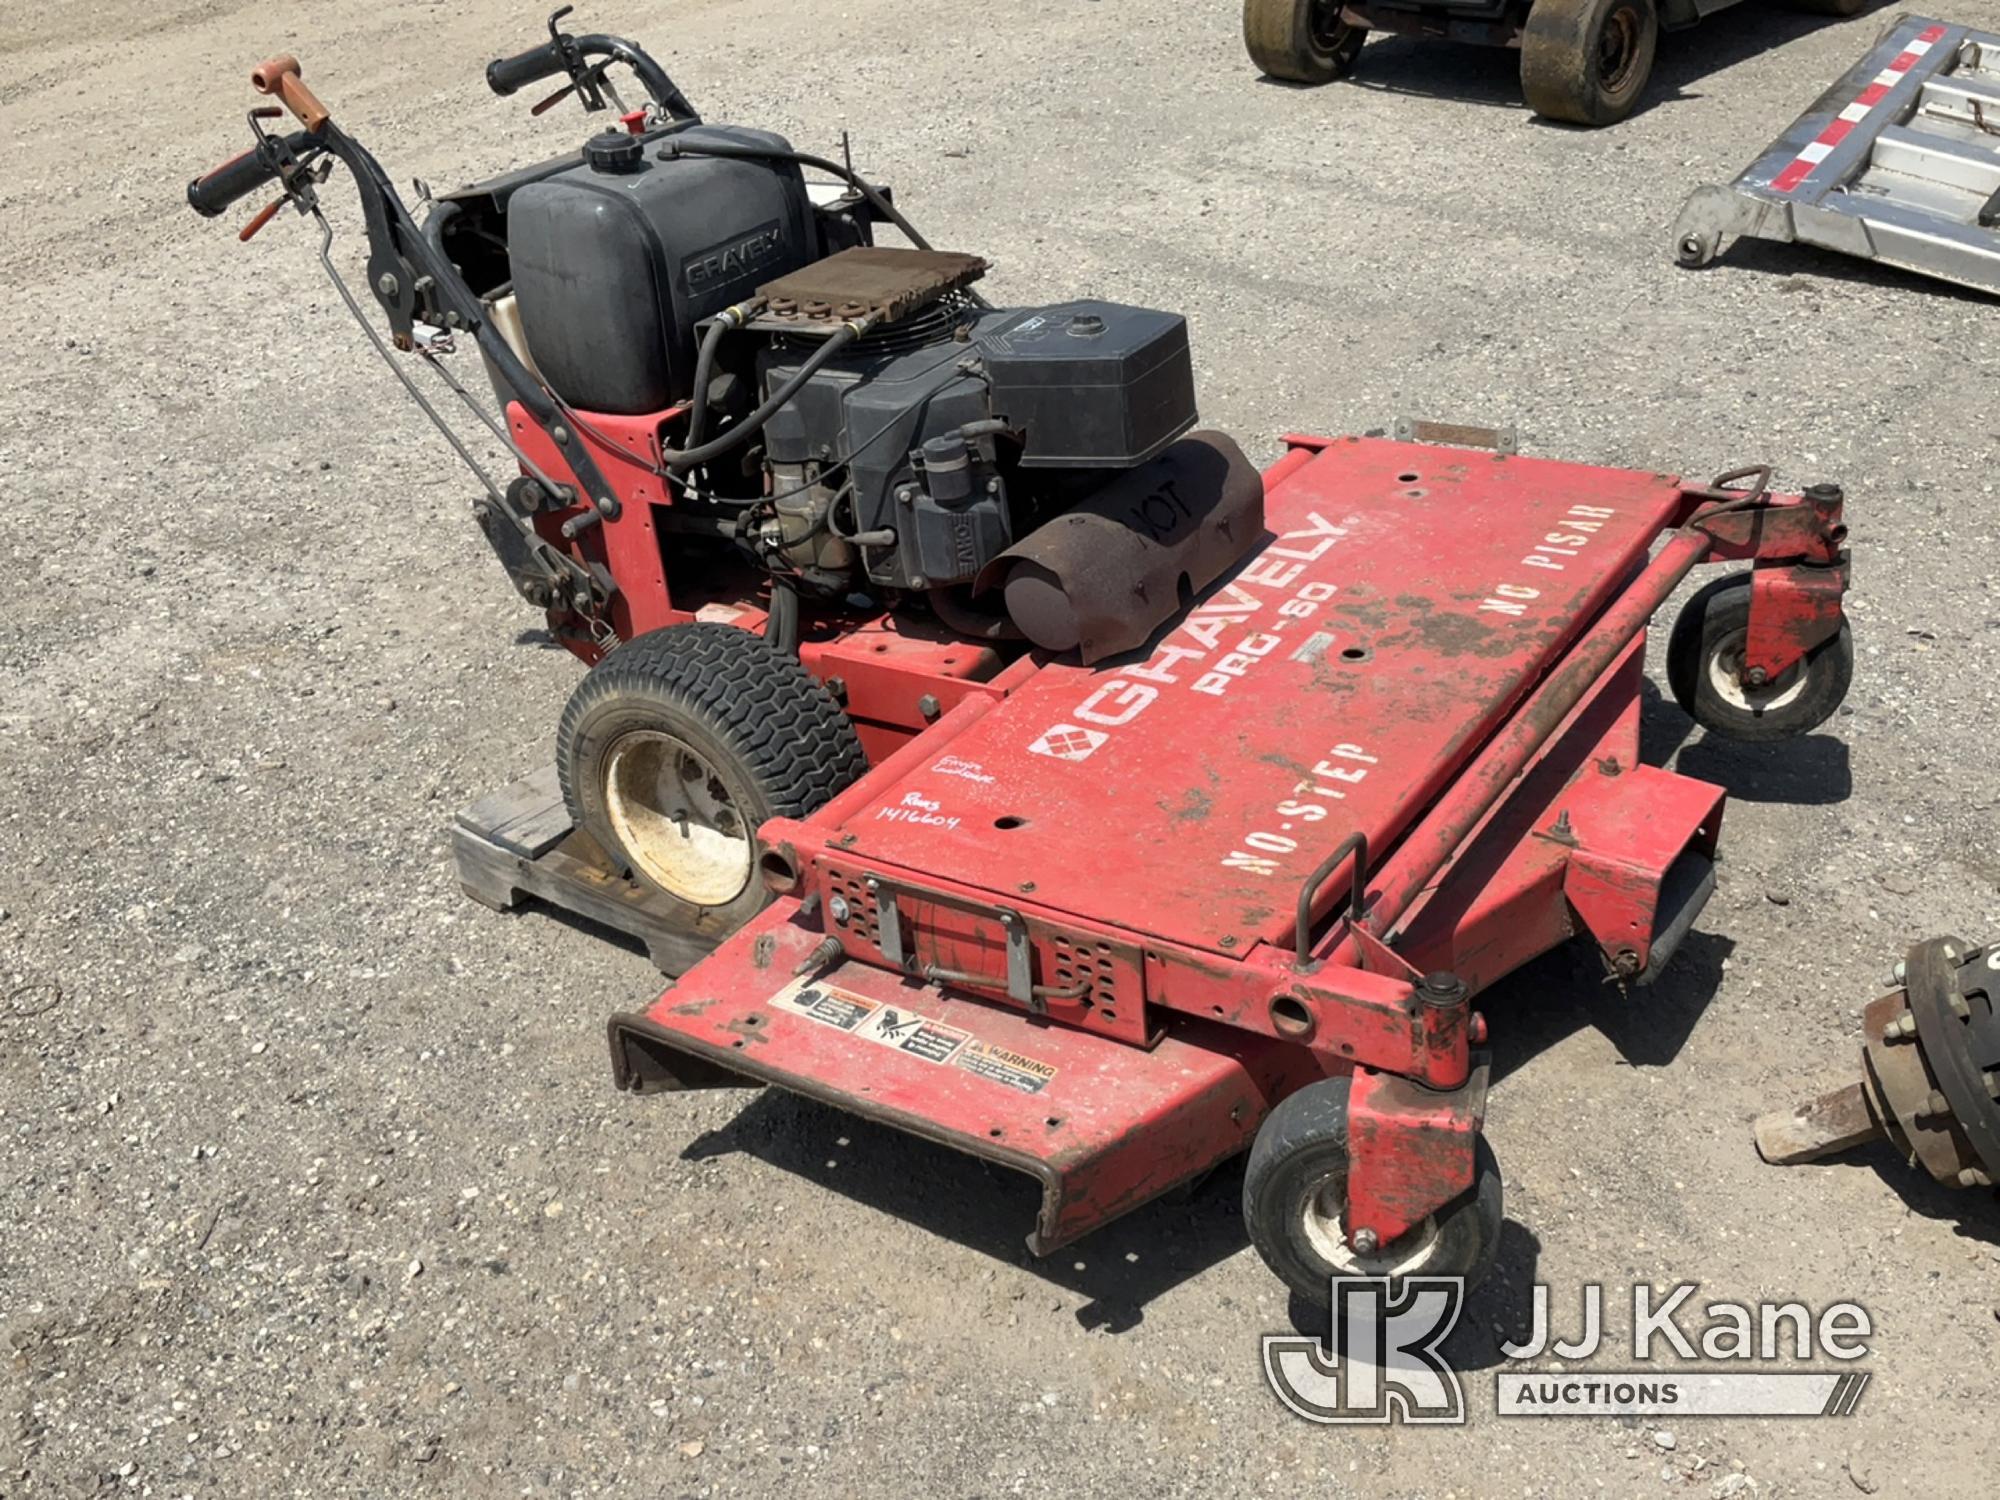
1897 162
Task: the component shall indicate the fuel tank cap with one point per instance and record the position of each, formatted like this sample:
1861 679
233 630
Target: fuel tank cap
613 151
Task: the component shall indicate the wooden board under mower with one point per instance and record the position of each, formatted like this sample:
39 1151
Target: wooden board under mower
1104 926
520 844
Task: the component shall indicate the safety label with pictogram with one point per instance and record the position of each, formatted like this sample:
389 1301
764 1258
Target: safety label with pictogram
913 1035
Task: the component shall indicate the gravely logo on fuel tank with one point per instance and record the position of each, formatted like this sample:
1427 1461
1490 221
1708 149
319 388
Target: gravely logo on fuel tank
735 258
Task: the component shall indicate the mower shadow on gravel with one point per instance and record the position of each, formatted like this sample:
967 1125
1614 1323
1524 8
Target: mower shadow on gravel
1120 1270
1811 771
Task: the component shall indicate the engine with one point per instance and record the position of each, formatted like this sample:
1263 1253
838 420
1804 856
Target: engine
864 421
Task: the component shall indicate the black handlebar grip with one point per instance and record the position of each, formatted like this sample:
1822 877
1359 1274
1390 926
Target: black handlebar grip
504 75
210 194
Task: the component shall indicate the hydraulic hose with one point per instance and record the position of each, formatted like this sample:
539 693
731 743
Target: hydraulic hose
875 196
681 459
781 627
727 321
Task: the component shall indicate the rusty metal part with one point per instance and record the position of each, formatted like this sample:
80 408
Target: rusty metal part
1103 577
879 282
1456 435
1930 1068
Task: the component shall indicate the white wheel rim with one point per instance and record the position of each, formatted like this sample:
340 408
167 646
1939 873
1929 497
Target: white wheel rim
1324 1222
675 819
1725 676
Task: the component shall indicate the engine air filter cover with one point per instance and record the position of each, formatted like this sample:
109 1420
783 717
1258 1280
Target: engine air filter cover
1092 385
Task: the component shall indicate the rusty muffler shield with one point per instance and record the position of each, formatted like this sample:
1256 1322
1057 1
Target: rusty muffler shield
1101 578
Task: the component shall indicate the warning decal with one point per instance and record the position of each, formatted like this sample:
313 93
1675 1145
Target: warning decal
1027 1074
825 1003
912 1034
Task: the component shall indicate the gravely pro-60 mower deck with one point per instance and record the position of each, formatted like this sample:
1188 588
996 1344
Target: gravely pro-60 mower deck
1079 928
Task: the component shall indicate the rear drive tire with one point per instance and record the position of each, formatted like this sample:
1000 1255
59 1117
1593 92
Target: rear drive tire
676 746
1301 41
1586 62
1295 1191
1704 666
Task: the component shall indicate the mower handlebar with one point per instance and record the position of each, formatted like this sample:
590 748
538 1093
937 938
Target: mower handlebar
564 53
505 75
212 192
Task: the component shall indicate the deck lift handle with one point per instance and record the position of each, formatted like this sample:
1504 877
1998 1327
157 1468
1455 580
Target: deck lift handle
1355 844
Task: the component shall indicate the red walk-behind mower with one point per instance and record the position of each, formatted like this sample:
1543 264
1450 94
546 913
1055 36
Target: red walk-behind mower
1040 778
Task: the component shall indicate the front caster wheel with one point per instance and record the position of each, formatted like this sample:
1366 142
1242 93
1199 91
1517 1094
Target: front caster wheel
677 745
1705 670
1295 1200
1587 61
1301 41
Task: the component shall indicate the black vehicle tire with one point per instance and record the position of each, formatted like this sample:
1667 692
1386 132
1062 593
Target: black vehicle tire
1587 61
1704 656
1297 1179
1301 41
725 727
1841 8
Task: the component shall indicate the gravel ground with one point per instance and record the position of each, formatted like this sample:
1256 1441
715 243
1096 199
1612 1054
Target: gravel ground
311 1177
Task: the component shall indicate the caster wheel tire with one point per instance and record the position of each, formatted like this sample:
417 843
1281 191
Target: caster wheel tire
674 748
1705 663
1301 41
1586 61
1295 1194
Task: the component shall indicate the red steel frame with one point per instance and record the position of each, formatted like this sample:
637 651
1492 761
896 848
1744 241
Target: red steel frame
1088 1001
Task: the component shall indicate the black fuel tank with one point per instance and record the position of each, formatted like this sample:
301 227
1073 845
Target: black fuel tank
618 257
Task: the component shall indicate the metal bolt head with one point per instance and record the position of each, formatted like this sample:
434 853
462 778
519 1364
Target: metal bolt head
559 433
838 909
1228 940
928 706
1756 676
1366 1242
387 284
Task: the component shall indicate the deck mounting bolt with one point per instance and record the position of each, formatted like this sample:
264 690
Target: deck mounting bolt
1366 1242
